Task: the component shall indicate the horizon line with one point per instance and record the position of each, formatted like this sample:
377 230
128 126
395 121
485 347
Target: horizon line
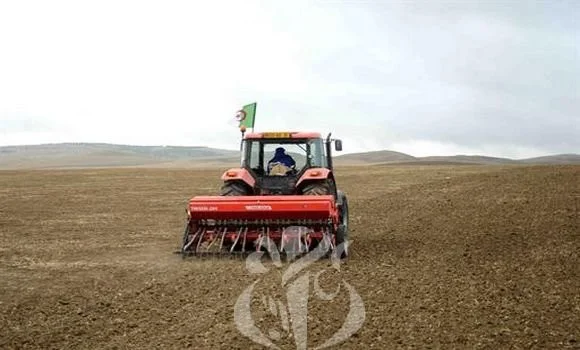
237 150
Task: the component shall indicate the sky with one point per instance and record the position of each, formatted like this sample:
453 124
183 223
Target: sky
497 78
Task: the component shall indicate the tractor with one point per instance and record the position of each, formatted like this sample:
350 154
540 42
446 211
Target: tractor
290 207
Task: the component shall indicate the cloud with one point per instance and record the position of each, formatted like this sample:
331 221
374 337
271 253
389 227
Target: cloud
419 77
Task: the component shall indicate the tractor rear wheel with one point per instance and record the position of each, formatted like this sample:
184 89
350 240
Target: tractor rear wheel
234 188
317 188
342 232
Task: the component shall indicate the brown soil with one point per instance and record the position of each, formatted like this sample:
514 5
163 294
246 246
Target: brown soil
443 257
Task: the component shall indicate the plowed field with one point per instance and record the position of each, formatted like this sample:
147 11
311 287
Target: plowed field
443 257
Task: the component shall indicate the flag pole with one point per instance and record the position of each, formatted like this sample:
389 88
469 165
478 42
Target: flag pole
255 113
243 131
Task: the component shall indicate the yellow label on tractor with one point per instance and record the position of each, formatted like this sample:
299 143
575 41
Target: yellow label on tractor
277 135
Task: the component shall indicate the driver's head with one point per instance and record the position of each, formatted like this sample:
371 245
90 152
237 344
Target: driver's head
280 151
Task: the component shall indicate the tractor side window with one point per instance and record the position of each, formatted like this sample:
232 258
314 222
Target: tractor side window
254 160
317 157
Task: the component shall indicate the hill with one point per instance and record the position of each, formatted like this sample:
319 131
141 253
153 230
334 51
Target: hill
95 155
72 155
374 157
469 159
555 159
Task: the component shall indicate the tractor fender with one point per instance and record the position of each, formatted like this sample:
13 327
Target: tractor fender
314 174
239 174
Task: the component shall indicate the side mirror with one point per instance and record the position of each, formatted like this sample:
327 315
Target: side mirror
338 145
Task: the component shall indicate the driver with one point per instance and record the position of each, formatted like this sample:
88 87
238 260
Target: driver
281 157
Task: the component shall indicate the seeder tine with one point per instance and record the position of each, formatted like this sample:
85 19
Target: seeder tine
223 237
269 242
282 241
244 242
211 243
200 239
188 244
258 242
237 239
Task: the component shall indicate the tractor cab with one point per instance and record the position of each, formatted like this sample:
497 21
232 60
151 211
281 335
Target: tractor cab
278 160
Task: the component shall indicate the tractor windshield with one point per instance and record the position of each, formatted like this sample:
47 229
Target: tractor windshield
294 153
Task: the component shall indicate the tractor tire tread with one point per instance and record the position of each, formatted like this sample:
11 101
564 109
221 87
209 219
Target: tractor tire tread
234 189
318 188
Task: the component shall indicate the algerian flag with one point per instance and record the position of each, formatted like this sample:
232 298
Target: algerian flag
247 115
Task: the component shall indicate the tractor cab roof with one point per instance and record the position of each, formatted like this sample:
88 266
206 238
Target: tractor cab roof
282 135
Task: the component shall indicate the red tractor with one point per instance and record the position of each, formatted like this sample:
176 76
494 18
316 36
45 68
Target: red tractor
283 199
